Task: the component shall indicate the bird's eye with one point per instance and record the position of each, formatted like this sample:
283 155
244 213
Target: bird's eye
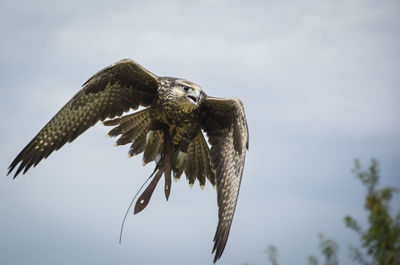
186 88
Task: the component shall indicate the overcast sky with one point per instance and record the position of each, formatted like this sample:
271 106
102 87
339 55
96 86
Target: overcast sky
320 84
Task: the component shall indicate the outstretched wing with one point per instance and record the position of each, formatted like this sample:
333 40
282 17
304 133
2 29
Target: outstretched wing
225 123
108 93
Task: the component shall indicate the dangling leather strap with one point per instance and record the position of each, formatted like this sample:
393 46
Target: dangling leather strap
144 199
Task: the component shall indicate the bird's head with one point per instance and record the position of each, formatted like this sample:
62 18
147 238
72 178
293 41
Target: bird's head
188 94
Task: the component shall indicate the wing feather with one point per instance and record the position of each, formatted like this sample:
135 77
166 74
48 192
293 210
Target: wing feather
225 123
108 93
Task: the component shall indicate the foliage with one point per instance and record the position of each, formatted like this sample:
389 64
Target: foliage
329 249
272 253
381 239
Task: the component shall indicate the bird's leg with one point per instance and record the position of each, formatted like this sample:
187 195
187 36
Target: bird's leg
150 136
181 159
153 127
182 153
179 164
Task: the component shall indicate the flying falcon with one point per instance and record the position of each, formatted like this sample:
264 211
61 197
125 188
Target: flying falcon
168 130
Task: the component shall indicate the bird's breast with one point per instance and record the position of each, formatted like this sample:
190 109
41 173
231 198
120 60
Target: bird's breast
182 126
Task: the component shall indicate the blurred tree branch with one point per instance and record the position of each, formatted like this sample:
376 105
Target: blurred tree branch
380 241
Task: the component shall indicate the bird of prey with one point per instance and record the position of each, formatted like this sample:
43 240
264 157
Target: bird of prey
168 130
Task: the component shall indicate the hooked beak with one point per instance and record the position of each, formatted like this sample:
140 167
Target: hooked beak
194 96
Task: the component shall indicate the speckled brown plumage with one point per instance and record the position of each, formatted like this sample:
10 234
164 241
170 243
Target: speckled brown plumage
169 131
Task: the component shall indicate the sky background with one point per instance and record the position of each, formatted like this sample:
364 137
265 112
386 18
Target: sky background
320 84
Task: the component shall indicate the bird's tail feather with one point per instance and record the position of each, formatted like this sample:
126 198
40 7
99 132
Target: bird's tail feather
133 129
197 162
